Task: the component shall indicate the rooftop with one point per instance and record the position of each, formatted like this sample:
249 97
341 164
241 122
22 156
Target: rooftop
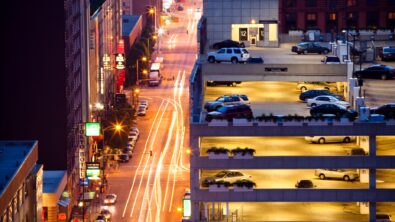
12 155
51 180
128 23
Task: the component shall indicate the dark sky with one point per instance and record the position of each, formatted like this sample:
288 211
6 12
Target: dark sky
32 82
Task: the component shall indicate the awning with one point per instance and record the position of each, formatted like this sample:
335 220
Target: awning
64 202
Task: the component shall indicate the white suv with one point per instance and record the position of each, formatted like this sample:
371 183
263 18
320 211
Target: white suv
233 55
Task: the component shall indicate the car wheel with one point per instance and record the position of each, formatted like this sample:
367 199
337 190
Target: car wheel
325 52
346 178
211 59
299 53
347 140
327 88
303 88
321 140
383 76
234 84
322 176
233 60
305 52
313 105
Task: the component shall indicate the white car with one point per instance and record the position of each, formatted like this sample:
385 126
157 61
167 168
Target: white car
134 129
131 142
227 176
141 111
133 135
110 199
329 139
343 174
319 100
304 86
144 102
233 55
142 107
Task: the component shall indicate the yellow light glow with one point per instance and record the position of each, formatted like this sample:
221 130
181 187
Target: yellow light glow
145 71
179 209
137 90
188 151
144 58
80 204
155 37
161 31
253 21
118 127
151 11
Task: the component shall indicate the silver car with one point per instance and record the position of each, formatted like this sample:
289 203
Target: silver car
344 174
329 139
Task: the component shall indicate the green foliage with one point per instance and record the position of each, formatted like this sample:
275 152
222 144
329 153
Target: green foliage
243 151
217 150
245 183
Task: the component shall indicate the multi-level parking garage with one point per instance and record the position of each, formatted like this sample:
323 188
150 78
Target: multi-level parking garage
282 155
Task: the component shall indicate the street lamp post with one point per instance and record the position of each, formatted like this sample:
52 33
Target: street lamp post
144 59
152 12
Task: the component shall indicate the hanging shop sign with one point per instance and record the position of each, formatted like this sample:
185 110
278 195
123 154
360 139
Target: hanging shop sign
243 34
92 129
93 170
261 34
120 61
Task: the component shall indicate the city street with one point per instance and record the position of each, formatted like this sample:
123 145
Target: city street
151 188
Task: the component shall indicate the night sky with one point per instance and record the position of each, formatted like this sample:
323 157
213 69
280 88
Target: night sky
32 77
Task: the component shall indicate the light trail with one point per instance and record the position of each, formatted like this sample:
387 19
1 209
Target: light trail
147 188
141 160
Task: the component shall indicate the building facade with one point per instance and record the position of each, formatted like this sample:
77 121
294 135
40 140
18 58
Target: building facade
332 16
254 22
77 89
21 183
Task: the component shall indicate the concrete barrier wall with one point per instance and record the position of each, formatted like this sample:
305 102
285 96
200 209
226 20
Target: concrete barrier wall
275 72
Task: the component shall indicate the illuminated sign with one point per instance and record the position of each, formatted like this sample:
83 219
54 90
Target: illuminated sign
92 129
186 207
93 170
62 216
81 149
120 61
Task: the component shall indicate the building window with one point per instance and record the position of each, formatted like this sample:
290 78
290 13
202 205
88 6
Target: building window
351 2
390 2
290 3
371 2
391 15
332 16
332 4
311 17
311 3
372 20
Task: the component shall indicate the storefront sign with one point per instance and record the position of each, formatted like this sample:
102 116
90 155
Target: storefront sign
120 61
93 170
261 34
186 206
81 149
243 34
62 216
106 61
92 129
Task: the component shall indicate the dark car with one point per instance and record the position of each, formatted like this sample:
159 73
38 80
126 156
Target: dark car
388 110
230 111
309 47
376 72
255 60
337 110
304 184
228 44
226 83
123 158
331 60
309 94
388 53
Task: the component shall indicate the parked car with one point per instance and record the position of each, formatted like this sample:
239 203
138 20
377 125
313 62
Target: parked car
106 213
331 60
233 55
319 100
110 199
357 152
100 218
226 83
228 44
141 106
376 72
144 102
226 100
255 60
128 151
133 135
383 217
309 47
226 175
141 111
135 129
329 139
131 142
230 111
304 86
337 110
343 174
387 53
304 184
123 158
388 110
317 92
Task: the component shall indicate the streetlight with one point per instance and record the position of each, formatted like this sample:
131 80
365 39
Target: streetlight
152 11
144 59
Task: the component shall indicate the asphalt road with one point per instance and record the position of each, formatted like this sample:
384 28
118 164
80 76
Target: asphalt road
151 188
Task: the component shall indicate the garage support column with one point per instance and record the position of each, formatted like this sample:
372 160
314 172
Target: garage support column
372 211
372 146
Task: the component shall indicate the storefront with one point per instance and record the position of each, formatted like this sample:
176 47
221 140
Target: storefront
259 35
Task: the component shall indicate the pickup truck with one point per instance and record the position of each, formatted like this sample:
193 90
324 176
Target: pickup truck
309 47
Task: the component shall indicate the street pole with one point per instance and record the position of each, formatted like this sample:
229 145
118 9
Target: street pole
137 71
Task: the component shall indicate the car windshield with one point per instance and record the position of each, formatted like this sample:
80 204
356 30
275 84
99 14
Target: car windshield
109 196
389 50
221 174
244 50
